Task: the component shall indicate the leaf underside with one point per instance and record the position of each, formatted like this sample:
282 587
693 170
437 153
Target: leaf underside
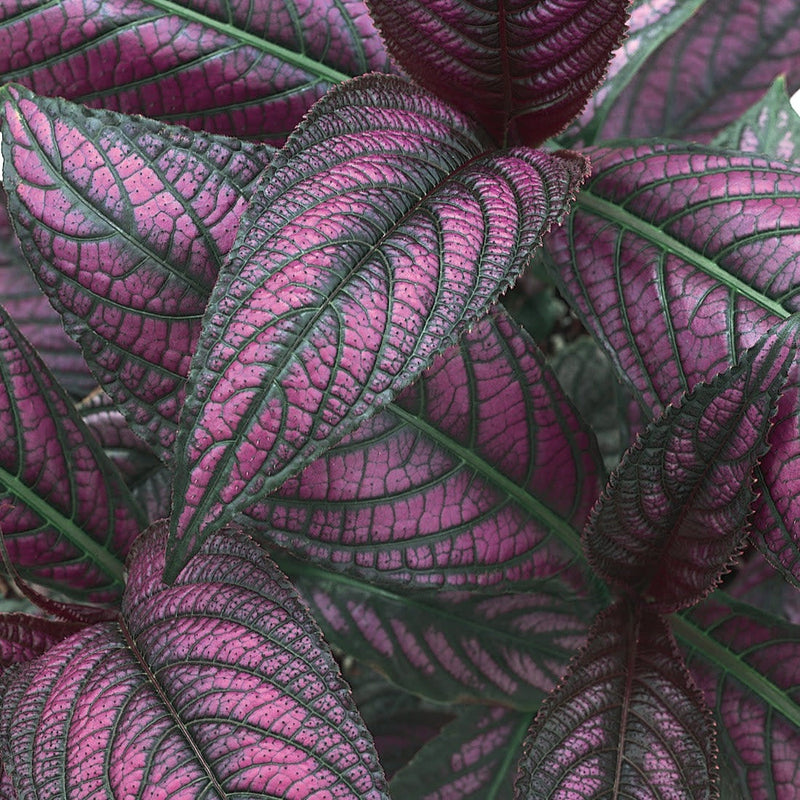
379 235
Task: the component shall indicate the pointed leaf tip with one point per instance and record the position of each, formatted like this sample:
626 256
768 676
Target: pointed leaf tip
674 514
384 235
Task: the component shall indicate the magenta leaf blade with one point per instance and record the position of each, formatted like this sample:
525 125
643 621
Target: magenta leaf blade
480 474
674 514
66 516
156 702
509 649
739 46
626 721
24 637
748 667
240 68
678 259
473 758
522 69
125 223
381 233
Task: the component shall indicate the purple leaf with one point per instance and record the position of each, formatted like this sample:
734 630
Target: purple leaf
771 127
759 584
156 704
522 69
125 223
627 721
509 649
239 68
379 235
24 637
678 259
674 514
65 514
472 759
748 666
739 47
39 323
132 457
481 474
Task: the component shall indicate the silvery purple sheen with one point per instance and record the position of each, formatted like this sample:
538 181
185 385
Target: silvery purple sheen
522 69
247 68
678 260
303 341
388 503
67 517
127 239
378 235
217 686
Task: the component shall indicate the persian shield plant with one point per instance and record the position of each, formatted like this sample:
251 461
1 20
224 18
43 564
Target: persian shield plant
266 424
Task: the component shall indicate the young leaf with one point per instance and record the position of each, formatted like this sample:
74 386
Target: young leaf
125 222
509 649
219 686
747 665
522 69
66 517
627 721
379 235
473 758
739 47
771 127
674 514
479 474
238 68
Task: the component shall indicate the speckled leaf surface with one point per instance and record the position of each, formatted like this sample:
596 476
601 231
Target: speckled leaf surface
66 515
771 127
748 668
474 758
39 323
380 234
219 686
678 259
522 69
626 721
479 474
674 513
738 46
452 646
238 67
125 222
24 637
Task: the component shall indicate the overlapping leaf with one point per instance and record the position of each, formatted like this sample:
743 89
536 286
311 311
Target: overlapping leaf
381 233
66 517
39 323
674 513
453 647
240 67
220 685
705 74
24 637
748 667
474 758
627 721
480 474
522 69
771 127
125 223
679 258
